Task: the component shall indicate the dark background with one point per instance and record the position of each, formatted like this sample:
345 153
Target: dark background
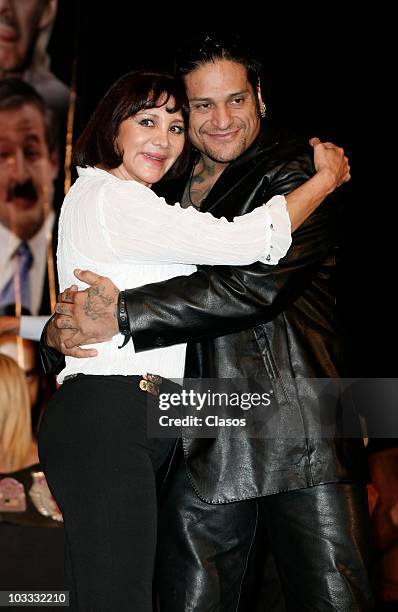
321 77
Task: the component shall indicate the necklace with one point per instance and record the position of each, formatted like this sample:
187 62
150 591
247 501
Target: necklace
189 187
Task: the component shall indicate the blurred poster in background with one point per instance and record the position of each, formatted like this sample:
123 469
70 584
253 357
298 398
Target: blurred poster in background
34 103
25 31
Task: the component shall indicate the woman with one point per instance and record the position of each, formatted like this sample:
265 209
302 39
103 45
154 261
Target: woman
93 443
30 521
18 449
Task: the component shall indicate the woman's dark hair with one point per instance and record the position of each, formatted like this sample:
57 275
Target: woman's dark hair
130 94
210 47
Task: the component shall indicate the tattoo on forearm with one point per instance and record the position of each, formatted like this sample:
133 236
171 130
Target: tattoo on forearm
98 304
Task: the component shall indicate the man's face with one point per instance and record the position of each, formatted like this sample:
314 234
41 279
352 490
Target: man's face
27 171
19 22
224 118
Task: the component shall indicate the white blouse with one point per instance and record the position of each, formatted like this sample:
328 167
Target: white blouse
122 229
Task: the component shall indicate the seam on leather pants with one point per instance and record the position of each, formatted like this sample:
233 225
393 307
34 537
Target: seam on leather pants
247 559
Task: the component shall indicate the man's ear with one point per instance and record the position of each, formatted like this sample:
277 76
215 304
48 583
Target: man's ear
48 14
261 103
258 92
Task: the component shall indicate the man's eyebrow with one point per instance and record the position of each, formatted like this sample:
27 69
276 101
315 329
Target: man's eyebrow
29 138
231 95
200 99
242 92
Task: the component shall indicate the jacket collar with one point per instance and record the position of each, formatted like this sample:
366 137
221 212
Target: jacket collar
239 168
269 136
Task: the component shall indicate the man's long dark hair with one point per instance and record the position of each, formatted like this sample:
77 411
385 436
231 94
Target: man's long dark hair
210 47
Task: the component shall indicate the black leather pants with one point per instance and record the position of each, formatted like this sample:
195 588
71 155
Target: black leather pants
318 537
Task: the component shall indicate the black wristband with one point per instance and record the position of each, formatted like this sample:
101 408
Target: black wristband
123 319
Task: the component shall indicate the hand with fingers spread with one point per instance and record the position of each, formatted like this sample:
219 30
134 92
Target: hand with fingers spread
56 337
84 317
330 162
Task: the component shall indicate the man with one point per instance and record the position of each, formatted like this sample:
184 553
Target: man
28 167
25 27
248 323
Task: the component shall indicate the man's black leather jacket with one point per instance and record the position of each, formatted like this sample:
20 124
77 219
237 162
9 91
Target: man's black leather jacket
274 323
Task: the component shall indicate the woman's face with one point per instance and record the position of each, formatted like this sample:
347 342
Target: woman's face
150 142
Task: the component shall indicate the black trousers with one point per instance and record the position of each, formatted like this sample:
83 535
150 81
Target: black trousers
100 466
319 538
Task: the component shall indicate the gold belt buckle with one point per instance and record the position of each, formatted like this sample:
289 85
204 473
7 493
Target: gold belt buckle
150 383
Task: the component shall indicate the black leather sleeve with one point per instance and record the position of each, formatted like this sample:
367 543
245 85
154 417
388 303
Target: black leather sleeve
217 300
52 361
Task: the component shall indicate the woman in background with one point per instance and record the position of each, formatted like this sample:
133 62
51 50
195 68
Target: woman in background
18 449
31 528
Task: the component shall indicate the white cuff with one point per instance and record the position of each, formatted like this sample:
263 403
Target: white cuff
31 327
279 229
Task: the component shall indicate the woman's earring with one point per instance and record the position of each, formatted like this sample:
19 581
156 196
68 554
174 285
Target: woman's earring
263 111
